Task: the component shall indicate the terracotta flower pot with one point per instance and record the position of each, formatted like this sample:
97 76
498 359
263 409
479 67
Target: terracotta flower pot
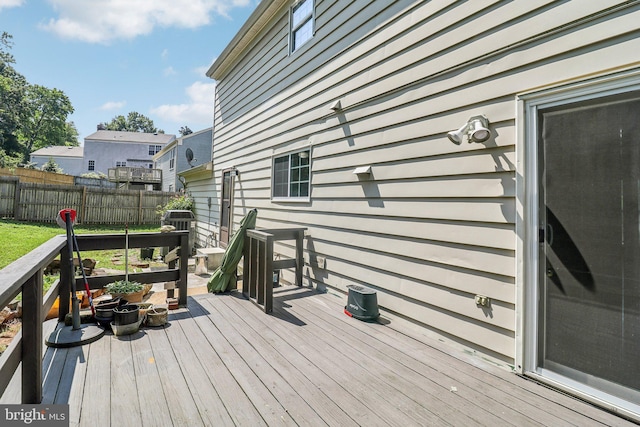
130 297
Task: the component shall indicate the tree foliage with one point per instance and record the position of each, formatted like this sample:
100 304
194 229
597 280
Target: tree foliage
31 116
45 119
12 92
51 166
184 131
134 122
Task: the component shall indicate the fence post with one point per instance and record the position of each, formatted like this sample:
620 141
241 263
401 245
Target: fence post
83 208
16 202
32 339
140 207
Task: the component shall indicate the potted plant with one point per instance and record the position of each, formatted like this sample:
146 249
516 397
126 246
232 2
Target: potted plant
125 289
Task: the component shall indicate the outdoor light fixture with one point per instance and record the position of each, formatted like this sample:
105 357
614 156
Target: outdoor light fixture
476 129
336 106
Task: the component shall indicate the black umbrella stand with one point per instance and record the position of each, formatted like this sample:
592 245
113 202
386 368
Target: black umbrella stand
76 334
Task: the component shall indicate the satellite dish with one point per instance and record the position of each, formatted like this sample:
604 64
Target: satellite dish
189 155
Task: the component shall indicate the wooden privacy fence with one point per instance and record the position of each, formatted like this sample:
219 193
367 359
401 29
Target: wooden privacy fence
41 203
37 176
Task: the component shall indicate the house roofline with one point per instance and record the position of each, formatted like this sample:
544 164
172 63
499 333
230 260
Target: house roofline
196 173
260 17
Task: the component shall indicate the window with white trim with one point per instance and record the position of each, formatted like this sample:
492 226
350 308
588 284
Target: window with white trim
121 164
92 165
301 18
172 159
291 176
153 149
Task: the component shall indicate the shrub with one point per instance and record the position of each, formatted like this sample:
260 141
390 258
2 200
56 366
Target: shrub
181 201
51 166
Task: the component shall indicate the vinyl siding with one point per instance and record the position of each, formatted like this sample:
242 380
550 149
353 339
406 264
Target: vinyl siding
435 224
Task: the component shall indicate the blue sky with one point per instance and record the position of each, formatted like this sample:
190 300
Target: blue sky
111 57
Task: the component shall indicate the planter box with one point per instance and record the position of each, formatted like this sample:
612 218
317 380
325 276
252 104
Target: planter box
130 297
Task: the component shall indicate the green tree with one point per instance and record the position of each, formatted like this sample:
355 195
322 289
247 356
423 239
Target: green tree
45 122
134 122
31 116
71 135
12 91
184 131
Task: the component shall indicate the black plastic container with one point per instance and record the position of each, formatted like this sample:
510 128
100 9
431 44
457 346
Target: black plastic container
146 253
362 303
126 314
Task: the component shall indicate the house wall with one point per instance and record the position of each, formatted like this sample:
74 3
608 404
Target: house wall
435 224
201 185
169 181
69 165
106 154
200 143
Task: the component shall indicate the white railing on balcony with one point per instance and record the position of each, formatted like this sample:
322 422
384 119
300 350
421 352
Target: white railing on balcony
128 174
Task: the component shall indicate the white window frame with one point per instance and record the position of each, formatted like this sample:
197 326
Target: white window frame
172 159
527 257
154 149
288 197
121 164
91 166
295 27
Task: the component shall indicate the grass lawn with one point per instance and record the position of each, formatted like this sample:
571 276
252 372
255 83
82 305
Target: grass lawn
19 238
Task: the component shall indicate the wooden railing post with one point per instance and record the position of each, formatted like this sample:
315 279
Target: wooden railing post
246 266
268 275
299 256
184 266
32 339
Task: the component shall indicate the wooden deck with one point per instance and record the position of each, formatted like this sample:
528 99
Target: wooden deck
224 362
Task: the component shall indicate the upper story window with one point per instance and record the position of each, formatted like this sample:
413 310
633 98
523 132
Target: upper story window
301 23
291 176
172 159
153 149
121 164
92 165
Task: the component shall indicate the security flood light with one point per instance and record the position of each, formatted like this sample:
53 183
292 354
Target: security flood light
476 129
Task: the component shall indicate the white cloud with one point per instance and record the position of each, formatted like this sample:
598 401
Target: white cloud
112 105
198 111
165 54
201 71
169 71
10 3
101 21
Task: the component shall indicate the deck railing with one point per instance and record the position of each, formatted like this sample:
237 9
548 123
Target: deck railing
259 265
129 174
26 275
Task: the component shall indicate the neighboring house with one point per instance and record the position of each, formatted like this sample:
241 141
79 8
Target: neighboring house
183 154
523 247
107 149
69 159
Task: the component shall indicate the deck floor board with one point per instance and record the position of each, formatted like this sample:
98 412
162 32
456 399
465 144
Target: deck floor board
224 362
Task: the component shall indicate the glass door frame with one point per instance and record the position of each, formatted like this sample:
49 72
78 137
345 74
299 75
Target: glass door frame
528 309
